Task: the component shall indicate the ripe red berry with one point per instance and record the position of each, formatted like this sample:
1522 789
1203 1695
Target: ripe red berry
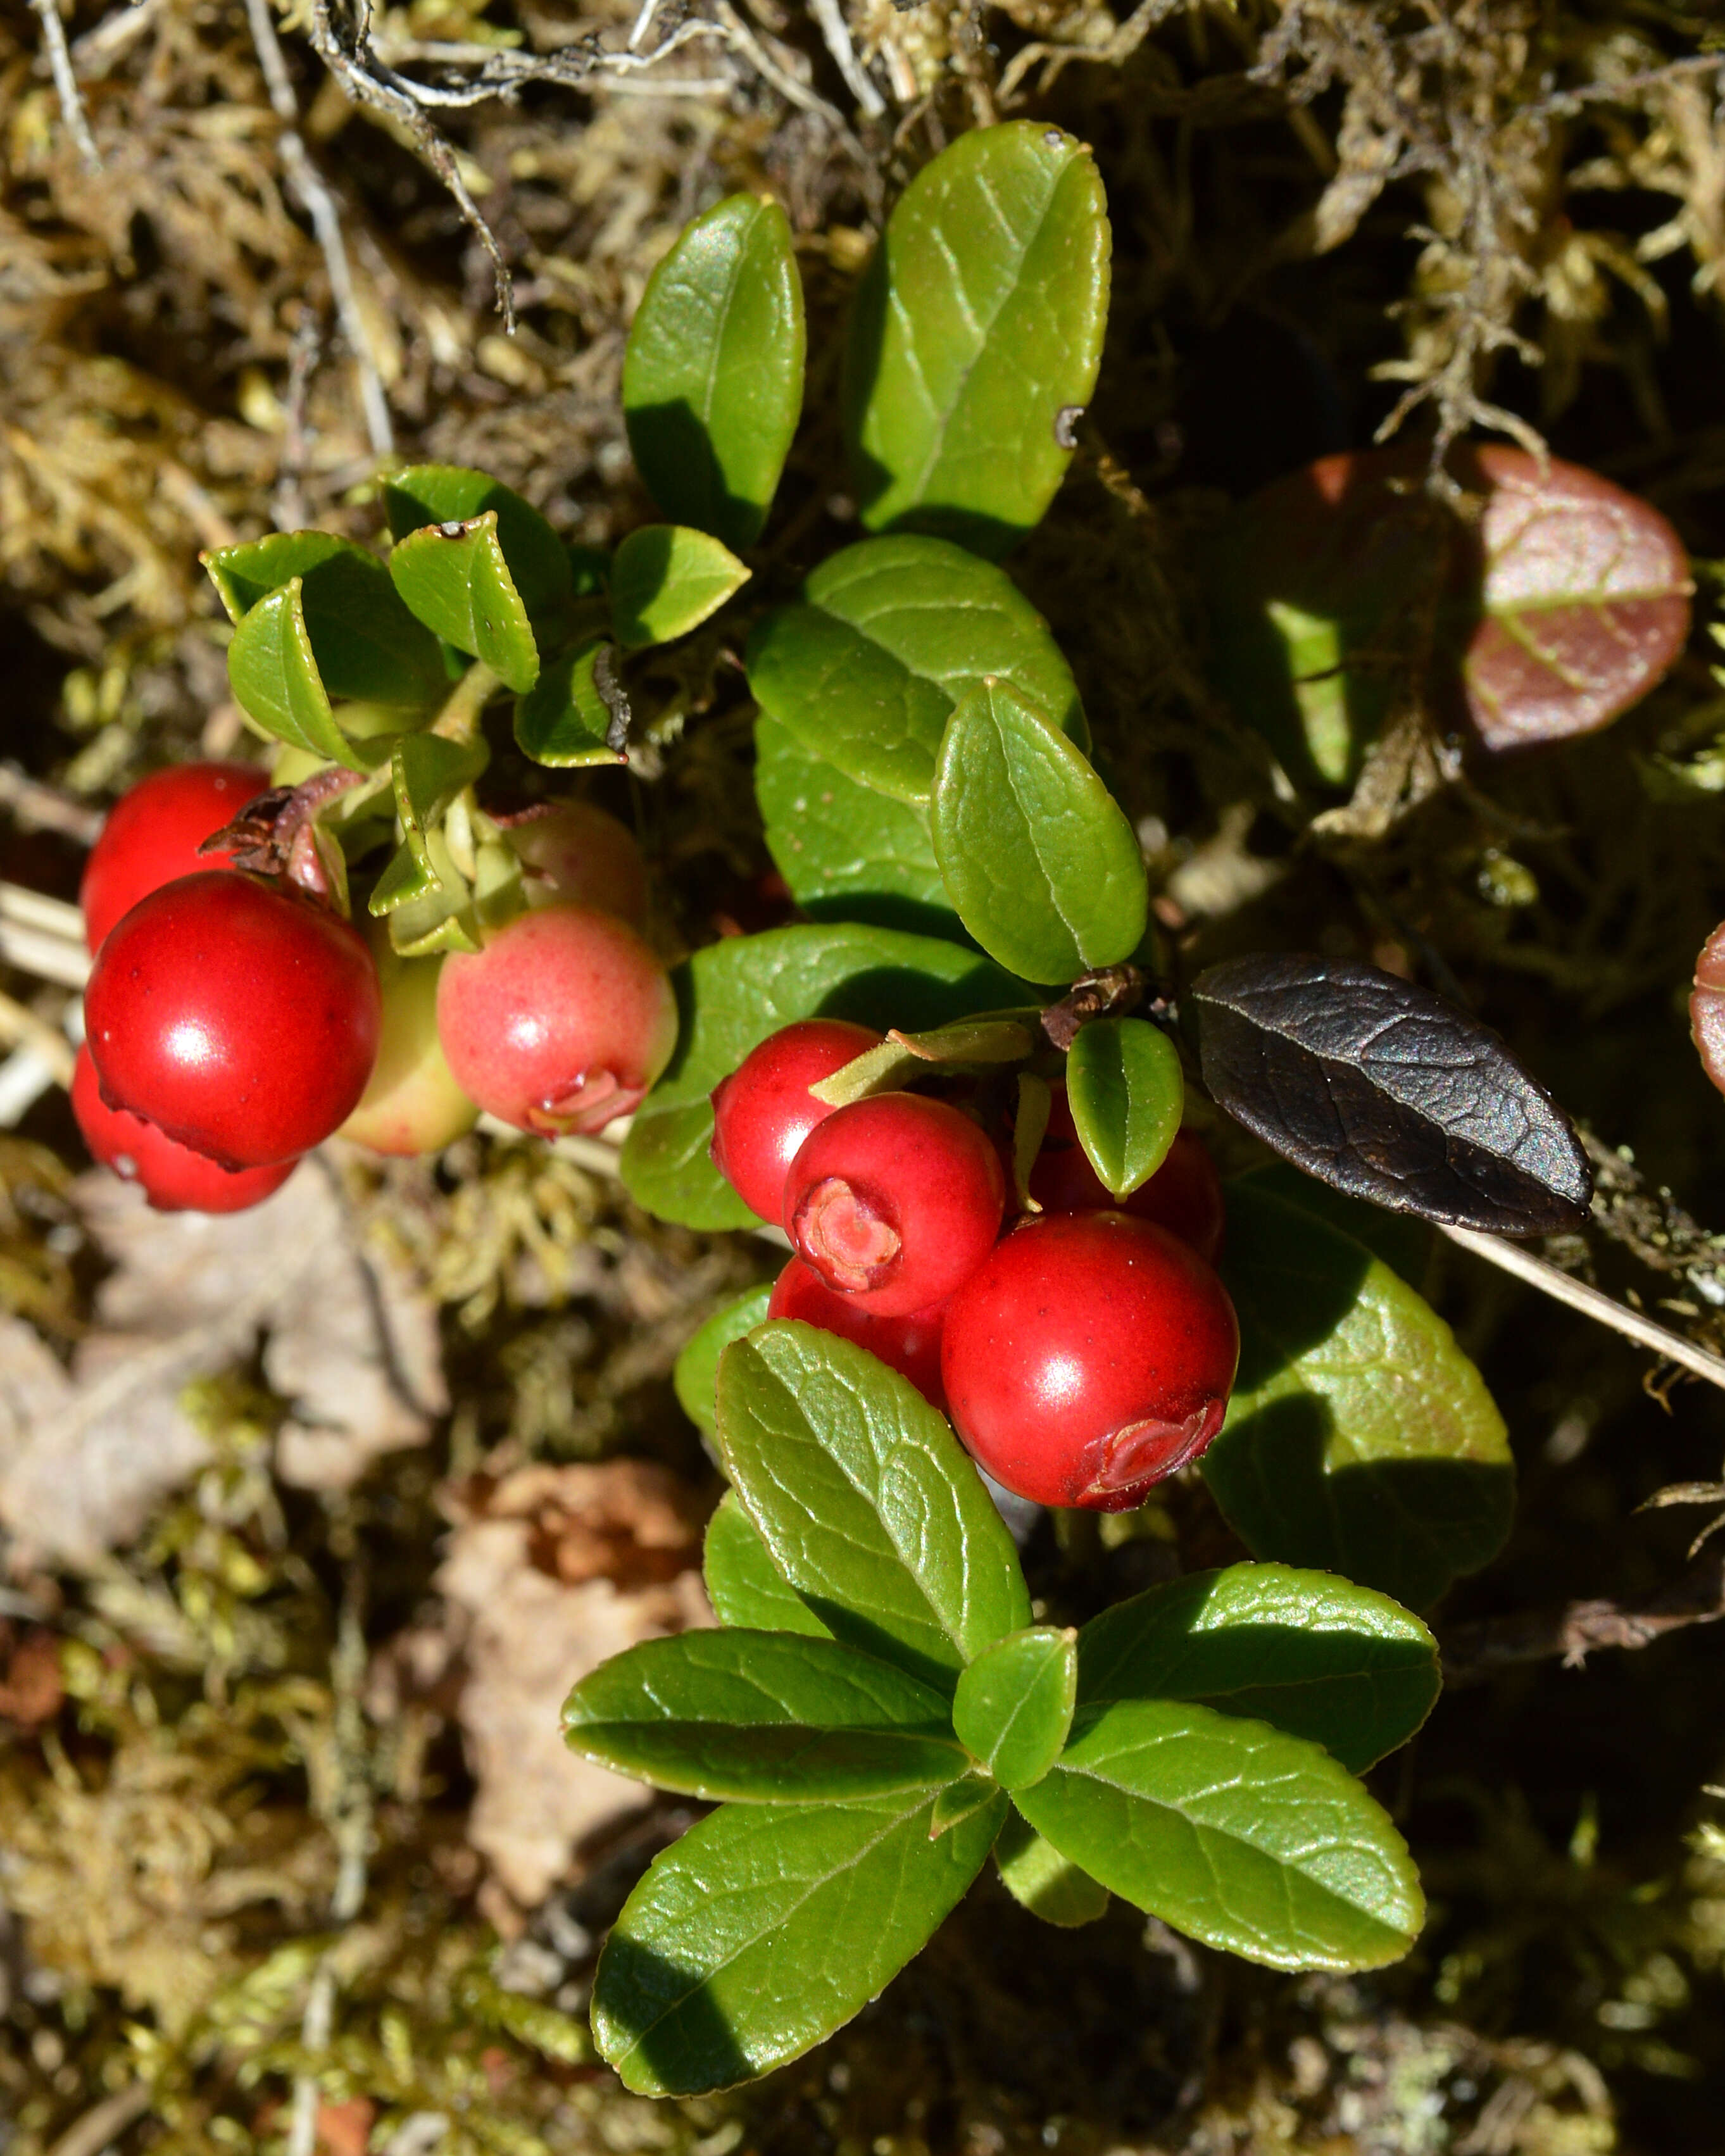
412 1103
560 1023
1184 1195
241 1019
895 1200
1090 1356
572 854
911 1345
151 836
173 1178
764 1110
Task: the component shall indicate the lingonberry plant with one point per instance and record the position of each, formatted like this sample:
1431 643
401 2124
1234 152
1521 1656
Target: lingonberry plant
880 1710
961 1083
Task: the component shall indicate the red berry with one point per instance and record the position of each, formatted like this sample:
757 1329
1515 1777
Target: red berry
572 854
152 837
764 1110
412 1103
1707 1007
1184 1195
894 1200
173 1178
911 1345
560 1023
1090 1356
238 1018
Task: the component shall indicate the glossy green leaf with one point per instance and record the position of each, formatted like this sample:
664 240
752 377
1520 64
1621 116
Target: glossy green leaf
960 1801
902 1057
577 713
1360 1439
539 562
1049 1885
733 993
696 1372
274 675
870 1507
245 574
762 1716
455 578
1126 1093
1232 1832
888 636
977 336
712 375
1037 855
767 1927
1316 1656
1401 1240
845 851
666 579
428 773
1013 1704
744 1585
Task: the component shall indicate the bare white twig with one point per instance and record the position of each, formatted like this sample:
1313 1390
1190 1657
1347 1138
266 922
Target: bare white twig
320 205
95 52
1510 1257
43 936
38 807
829 19
644 23
65 83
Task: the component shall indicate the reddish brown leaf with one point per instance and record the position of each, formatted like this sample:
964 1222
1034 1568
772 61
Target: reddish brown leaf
1556 610
1707 1007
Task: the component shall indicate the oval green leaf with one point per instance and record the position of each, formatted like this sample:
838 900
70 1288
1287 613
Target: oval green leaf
1232 1832
1013 1705
1037 855
762 1716
539 563
696 1371
733 993
1360 1439
871 1509
767 1928
744 1585
272 672
455 578
577 713
887 637
428 773
245 574
978 328
1047 1884
1316 1656
843 849
666 579
712 374
1126 1093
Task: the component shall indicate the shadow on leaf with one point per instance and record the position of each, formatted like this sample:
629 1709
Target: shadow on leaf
663 2030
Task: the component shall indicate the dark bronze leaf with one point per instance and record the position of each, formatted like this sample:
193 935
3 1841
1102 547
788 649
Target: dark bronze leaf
1387 1092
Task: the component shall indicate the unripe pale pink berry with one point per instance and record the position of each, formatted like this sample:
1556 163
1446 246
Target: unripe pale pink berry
561 1021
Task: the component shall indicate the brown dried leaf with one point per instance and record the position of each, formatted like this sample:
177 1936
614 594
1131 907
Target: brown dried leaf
528 1636
84 1456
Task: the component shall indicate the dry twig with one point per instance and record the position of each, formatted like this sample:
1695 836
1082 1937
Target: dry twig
65 83
1474 1652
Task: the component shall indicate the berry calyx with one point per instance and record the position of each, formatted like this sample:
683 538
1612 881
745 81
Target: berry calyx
572 854
239 1019
894 1200
910 1345
173 1178
1089 1357
412 1103
152 835
1184 1195
764 1110
561 1021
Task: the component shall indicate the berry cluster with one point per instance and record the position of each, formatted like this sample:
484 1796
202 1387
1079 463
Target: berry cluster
234 1018
1082 1355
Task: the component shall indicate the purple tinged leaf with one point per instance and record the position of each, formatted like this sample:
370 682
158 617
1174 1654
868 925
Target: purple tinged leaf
1388 1092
